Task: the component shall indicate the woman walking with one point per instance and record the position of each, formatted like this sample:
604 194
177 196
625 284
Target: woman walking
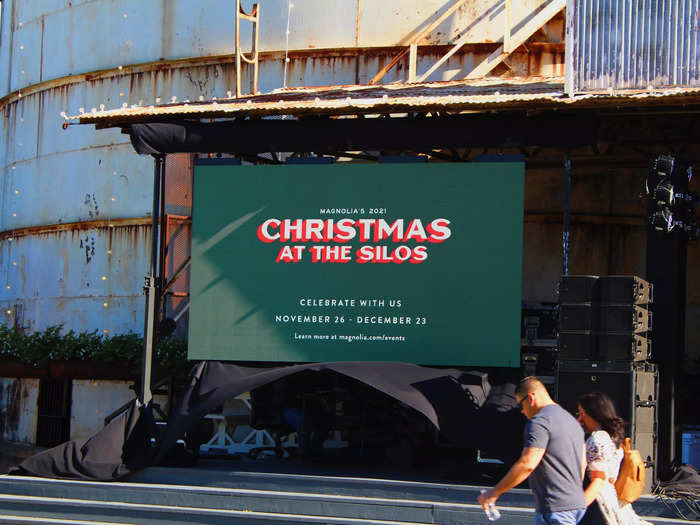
606 432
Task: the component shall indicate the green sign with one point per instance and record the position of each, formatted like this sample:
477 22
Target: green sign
414 262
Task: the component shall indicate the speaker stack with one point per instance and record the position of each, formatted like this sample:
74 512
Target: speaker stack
604 345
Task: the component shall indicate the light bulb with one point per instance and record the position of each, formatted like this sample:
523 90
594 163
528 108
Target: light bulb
104 277
105 304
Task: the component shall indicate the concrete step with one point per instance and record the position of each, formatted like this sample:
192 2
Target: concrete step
250 497
90 500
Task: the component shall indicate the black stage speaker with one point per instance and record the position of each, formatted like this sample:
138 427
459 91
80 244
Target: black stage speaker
633 387
611 289
603 347
604 318
595 317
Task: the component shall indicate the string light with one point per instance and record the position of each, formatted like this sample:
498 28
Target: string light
104 277
105 304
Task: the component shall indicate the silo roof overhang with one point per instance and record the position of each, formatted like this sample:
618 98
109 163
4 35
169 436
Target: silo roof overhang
436 97
418 117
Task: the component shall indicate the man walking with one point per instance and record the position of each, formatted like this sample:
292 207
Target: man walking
553 457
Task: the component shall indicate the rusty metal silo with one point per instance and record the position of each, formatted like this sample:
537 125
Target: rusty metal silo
75 204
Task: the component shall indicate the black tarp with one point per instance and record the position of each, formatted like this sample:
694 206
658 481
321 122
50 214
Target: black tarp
449 398
122 446
332 135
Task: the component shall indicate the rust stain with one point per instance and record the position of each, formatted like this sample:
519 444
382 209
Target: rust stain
73 227
12 403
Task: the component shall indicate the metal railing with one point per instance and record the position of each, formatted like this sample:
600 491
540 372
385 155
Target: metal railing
511 41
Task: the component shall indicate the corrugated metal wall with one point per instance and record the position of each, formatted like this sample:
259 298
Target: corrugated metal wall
633 44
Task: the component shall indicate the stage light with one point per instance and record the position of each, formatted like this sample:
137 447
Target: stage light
663 165
663 193
662 220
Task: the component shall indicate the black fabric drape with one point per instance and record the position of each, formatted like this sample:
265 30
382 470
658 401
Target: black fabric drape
119 448
332 135
451 400
436 393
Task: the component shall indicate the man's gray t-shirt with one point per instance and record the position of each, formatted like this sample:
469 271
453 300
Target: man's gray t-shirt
556 482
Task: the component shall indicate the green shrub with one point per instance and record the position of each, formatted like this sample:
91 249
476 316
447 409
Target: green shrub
41 347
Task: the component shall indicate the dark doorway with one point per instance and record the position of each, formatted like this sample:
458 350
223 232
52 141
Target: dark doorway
53 421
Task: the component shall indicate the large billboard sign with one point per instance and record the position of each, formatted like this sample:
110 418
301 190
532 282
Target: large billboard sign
411 262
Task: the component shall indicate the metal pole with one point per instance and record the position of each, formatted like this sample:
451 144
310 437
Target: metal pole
567 215
150 289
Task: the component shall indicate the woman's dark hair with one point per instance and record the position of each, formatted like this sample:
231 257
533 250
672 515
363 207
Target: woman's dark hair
601 408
